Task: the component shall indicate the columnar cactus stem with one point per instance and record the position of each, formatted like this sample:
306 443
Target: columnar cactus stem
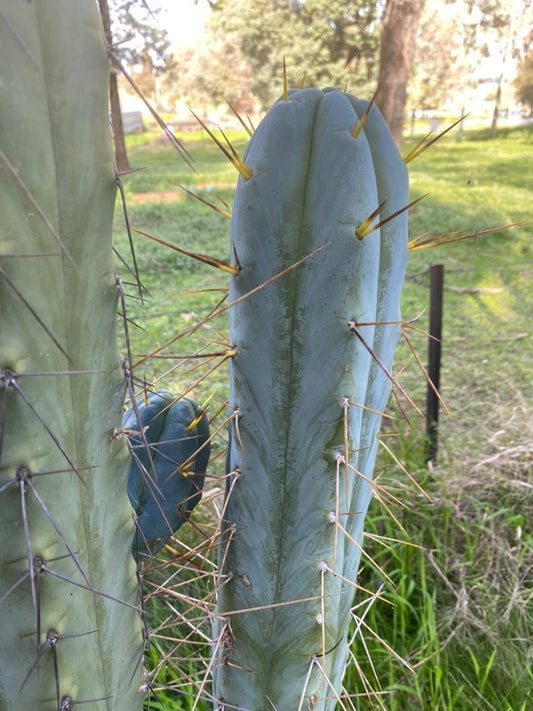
70 627
309 382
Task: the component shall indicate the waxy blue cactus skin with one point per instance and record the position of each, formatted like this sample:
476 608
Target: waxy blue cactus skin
307 387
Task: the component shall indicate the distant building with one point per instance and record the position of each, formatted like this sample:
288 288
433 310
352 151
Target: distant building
132 122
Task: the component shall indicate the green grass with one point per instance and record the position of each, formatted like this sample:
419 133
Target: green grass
460 612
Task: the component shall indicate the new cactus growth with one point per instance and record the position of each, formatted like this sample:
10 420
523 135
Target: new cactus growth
70 627
169 442
308 385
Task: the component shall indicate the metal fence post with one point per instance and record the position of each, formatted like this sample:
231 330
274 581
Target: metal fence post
436 274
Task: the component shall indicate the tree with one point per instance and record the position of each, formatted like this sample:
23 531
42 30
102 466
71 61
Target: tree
437 71
214 72
130 31
136 33
524 82
140 43
331 42
493 36
509 21
121 156
400 25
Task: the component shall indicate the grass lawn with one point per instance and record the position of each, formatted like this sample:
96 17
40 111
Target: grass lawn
461 617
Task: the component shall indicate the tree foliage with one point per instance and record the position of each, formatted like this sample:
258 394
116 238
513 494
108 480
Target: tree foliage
212 72
332 42
464 42
437 69
524 82
137 39
140 42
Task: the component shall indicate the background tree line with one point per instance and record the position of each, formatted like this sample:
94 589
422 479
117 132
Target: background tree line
418 53
338 42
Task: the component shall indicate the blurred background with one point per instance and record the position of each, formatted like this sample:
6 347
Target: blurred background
465 56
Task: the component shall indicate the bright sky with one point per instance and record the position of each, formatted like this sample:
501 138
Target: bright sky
182 19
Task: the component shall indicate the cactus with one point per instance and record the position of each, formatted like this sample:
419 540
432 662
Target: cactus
71 631
169 441
315 320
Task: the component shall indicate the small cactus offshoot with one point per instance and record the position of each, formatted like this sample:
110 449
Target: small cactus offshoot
169 444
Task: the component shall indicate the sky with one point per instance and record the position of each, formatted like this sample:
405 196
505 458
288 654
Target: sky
182 19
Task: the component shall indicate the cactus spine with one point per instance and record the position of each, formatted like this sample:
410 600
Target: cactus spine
68 587
303 445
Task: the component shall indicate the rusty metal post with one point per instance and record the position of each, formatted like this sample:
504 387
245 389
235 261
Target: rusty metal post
436 274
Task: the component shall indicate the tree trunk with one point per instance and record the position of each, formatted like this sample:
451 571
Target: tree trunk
400 25
121 156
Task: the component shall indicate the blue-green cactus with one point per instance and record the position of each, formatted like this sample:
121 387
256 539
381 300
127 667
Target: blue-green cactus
169 443
308 384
